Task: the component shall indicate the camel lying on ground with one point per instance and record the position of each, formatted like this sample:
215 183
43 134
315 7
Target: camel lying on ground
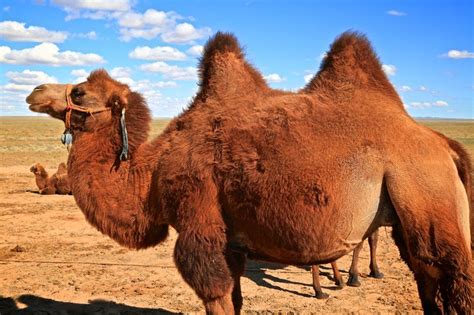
249 171
353 280
58 183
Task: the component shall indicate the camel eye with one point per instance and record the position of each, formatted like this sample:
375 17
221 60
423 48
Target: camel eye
76 93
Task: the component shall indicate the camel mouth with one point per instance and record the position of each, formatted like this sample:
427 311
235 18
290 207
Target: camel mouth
39 107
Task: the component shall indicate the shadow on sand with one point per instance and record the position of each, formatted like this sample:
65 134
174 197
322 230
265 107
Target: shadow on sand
39 305
256 271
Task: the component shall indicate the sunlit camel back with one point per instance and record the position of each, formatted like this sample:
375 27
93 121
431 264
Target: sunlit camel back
298 178
58 183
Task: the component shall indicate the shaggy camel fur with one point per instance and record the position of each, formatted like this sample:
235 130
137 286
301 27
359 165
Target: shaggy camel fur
298 178
353 280
58 183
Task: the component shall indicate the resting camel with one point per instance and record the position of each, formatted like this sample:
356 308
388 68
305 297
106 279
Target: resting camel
58 183
248 171
353 280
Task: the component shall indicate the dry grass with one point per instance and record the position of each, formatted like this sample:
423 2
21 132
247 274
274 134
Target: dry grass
26 140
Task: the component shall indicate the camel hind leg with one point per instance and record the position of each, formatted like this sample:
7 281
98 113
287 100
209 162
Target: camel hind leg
433 238
374 268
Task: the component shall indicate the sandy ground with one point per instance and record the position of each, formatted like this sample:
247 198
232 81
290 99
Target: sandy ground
52 261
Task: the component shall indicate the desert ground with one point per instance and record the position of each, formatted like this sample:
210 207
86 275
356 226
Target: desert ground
53 262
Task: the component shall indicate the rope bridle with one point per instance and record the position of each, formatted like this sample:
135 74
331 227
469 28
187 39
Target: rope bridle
70 106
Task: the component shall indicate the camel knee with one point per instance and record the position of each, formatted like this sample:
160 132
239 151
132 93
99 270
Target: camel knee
202 264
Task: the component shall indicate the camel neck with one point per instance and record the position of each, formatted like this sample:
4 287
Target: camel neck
41 180
114 196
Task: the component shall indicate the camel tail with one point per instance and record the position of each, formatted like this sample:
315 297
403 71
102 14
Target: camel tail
463 164
462 160
351 60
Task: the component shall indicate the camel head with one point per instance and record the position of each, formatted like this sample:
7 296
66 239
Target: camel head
38 169
100 93
101 97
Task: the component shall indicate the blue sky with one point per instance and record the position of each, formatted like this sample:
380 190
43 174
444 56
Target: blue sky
427 47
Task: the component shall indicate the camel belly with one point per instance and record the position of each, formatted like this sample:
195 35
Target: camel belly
298 232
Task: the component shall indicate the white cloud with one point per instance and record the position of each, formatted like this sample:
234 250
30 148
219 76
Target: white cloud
20 84
423 89
458 54
389 70
160 105
93 9
158 53
151 17
273 78
49 54
126 34
90 35
147 25
424 105
144 85
121 72
171 71
420 105
396 13
115 5
29 77
440 103
17 32
195 50
405 88
79 73
185 33
308 77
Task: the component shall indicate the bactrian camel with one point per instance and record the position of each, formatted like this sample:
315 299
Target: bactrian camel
58 183
298 178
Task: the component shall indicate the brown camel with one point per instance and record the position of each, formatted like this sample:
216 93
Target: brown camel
58 183
298 178
353 280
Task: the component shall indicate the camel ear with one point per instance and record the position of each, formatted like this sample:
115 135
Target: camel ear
119 100
223 69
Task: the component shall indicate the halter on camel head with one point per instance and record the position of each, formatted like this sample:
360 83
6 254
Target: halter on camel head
66 137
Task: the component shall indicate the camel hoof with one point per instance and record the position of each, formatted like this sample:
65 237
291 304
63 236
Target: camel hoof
339 284
353 281
376 275
321 295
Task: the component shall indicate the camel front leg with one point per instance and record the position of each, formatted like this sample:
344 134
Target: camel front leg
199 257
236 262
